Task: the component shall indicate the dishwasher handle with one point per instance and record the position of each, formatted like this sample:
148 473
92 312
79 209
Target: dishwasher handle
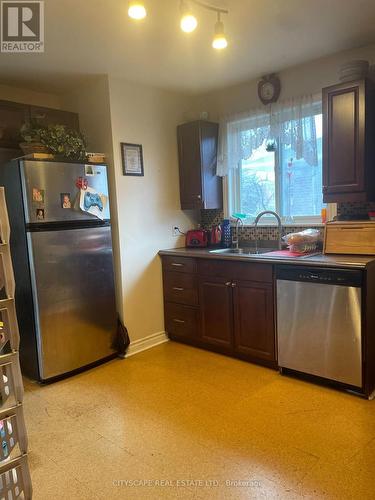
324 275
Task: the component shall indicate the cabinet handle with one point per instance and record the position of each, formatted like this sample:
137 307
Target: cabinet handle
199 196
234 285
178 288
178 320
228 283
175 264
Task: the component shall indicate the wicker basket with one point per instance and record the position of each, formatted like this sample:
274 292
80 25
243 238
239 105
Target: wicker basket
33 147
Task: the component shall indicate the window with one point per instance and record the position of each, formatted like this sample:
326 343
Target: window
272 178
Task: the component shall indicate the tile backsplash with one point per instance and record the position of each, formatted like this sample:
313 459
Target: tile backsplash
355 209
210 218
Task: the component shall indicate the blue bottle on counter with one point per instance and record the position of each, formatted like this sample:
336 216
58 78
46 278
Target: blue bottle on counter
226 238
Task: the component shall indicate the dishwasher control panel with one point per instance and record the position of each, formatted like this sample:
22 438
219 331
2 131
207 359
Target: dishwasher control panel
330 276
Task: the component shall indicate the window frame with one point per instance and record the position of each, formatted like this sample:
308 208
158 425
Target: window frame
232 200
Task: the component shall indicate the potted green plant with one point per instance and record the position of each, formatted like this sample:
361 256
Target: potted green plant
64 142
30 133
56 139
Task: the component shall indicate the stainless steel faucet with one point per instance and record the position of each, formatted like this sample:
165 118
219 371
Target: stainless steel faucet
259 216
236 241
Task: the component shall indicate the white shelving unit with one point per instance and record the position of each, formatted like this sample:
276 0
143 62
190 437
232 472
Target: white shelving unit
15 481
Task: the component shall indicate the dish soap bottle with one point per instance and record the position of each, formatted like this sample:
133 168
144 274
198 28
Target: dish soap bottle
226 237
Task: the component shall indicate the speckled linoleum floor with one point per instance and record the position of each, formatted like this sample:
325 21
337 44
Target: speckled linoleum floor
179 422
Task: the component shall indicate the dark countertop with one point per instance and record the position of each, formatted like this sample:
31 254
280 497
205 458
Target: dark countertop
342 261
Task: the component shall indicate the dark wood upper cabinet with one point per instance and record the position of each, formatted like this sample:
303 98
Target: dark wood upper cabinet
348 142
215 298
48 116
254 330
12 117
200 187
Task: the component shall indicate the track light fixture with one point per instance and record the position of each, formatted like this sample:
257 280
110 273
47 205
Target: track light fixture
219 42
188 22
137 10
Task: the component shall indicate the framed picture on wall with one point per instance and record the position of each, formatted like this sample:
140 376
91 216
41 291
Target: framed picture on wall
132 159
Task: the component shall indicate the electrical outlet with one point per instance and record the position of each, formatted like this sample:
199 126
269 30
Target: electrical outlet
175 231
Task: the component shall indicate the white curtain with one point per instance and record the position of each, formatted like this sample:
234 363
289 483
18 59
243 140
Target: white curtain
291 122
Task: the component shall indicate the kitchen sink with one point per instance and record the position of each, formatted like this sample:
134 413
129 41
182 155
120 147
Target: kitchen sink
243 251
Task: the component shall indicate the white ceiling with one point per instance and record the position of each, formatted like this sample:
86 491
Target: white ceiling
85 37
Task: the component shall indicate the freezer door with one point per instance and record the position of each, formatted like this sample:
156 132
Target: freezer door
74 298
44 185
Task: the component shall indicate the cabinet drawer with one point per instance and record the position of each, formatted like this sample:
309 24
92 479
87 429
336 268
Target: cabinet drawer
182 321
181 288
218 268
248 271
179 264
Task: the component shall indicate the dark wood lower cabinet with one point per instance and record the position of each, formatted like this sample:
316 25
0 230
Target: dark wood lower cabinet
222 306
215 300
182 321
254 331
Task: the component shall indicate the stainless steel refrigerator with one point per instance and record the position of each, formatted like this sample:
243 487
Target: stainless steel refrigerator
62 253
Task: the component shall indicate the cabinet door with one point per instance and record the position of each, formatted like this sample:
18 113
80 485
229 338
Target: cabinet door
254 330
215 299
212 184
12 117
191 192
48 116
343 141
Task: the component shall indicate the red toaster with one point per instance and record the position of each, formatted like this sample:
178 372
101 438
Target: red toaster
196 238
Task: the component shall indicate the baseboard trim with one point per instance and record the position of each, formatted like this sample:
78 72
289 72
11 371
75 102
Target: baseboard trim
146 343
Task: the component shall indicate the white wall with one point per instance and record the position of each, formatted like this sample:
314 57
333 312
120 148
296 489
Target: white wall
148 206
307 78
91 102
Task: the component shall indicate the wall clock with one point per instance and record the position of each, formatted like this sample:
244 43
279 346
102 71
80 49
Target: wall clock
269 88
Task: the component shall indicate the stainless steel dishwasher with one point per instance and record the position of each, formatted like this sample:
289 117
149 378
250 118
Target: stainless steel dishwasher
319 322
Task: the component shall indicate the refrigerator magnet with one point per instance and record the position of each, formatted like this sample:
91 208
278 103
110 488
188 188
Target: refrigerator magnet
38 195
82 183
40 214
66 201
89 170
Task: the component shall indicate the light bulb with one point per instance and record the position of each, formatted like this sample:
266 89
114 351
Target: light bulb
219 42
188 23
137 10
